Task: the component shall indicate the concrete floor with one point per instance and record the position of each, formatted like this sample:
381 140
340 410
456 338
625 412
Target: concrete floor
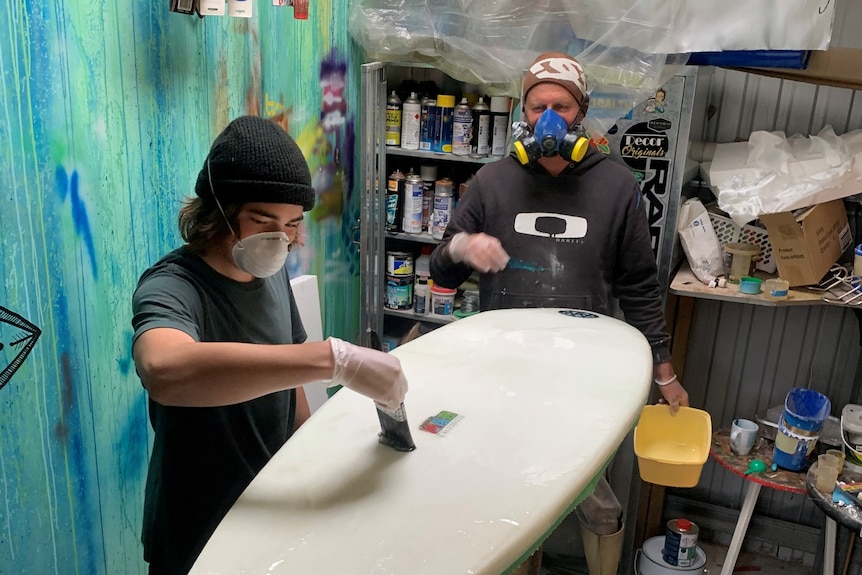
752 562
564 556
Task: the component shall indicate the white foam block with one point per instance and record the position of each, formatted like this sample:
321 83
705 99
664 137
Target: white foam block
308 301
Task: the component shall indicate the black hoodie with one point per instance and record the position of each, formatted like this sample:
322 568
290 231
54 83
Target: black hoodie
576 240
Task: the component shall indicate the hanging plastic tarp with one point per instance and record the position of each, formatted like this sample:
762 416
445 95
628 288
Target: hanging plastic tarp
628 47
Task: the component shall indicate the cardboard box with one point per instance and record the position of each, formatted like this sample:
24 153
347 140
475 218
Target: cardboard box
807 243
840 67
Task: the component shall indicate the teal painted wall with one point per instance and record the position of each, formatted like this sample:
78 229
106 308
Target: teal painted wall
107 110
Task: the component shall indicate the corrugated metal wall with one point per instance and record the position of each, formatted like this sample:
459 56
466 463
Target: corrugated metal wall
741 358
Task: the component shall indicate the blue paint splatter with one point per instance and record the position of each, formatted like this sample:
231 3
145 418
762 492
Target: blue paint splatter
65 187
517 264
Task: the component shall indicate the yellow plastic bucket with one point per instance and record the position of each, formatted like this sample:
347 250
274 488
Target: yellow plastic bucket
671 449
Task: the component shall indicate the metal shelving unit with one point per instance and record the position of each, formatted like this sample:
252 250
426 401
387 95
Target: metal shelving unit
373 174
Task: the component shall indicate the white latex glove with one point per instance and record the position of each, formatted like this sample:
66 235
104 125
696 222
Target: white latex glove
479 251
372 373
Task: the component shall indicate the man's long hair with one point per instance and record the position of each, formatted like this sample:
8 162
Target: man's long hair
201 223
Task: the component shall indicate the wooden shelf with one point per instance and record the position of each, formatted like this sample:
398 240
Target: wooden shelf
685 283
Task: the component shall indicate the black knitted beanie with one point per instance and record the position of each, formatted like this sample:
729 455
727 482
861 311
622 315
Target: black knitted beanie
254 160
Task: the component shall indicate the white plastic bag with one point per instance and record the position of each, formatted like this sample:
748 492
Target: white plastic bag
771 174
699 242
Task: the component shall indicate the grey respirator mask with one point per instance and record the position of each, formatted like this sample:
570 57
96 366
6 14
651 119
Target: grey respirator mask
550 137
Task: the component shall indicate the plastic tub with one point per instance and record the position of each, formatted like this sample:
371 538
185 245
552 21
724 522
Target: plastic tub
739 259
776 289
672 448
442 301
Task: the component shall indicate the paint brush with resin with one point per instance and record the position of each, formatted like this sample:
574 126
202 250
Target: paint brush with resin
394 429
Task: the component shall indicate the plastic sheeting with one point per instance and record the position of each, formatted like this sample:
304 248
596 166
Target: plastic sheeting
771 173
628 47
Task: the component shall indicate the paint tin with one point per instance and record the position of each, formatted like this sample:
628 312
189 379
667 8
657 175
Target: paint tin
443 202
399 264
680 543
413 192
394 201
399 292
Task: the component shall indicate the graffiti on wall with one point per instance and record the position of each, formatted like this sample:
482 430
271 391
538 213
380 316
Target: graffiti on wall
17 338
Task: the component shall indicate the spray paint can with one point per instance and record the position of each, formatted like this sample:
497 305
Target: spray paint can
443 124
481 129
680 543
429 176
462 128
393 120
394 201
427 123
500 108
443 204
412 221
410 113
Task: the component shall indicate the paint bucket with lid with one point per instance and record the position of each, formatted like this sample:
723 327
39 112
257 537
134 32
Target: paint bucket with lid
799 427
442 301
649 560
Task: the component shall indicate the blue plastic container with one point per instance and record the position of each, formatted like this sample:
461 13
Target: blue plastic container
799 427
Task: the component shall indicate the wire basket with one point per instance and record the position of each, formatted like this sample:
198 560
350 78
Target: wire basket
728 233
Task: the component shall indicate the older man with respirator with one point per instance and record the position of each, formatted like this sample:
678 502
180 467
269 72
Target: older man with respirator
558 224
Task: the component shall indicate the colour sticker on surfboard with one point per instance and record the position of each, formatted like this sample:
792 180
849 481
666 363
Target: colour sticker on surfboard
442 423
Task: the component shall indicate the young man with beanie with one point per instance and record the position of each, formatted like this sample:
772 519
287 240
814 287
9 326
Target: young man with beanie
579 225
218 341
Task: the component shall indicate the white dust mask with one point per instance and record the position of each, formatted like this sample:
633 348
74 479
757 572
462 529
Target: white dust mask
261 255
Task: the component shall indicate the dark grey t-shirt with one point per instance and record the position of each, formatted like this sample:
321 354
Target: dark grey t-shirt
203 458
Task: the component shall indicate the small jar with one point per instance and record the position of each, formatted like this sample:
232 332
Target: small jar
776 289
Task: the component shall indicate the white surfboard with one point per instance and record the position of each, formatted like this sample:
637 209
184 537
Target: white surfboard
543 399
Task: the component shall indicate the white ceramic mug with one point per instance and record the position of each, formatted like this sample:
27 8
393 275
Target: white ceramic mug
743 433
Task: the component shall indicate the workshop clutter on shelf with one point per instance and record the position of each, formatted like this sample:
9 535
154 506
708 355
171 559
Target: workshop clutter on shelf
672 448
